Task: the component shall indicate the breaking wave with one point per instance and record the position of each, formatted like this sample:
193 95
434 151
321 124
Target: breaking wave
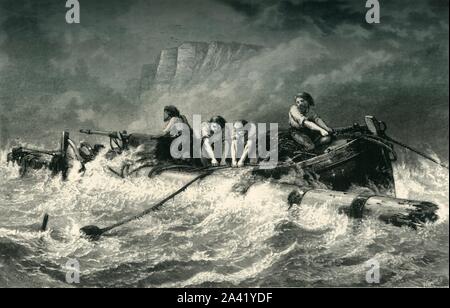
211 235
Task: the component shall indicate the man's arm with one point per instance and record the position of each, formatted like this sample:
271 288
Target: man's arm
297 117
225 150
247 149
208 148
322 124
234 153
205 133
302 121
314 126
169 126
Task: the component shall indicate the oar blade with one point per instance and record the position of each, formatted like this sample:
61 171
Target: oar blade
91 232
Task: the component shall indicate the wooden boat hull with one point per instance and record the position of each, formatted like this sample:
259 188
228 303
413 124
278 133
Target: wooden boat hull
357 162
346 163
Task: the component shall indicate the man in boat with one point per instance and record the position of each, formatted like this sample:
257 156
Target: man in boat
175 125
243 137
214 131
172 117
307 128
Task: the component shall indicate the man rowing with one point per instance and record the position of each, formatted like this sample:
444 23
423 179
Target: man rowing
307 128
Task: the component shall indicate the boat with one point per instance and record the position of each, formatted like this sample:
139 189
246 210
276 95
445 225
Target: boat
359 155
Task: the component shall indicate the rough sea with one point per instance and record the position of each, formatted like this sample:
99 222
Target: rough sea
211 235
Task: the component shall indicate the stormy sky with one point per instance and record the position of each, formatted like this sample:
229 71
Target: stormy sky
56 76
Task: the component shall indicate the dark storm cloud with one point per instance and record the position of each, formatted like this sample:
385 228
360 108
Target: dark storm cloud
79 75
439 7
249 8
37 96
327 16
298 14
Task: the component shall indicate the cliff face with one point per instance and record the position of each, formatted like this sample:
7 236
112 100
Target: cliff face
192 62
166 68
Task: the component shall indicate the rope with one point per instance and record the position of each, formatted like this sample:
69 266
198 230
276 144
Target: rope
158 170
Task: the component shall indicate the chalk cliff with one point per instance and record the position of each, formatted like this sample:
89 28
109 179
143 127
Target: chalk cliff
192 62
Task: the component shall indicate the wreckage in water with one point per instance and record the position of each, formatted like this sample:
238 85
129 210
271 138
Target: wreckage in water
360 155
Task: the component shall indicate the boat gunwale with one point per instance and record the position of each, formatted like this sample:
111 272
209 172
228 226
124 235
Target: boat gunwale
315 160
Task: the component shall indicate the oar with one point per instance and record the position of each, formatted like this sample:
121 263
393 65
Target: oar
413 150
50 153
419 153
94 232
